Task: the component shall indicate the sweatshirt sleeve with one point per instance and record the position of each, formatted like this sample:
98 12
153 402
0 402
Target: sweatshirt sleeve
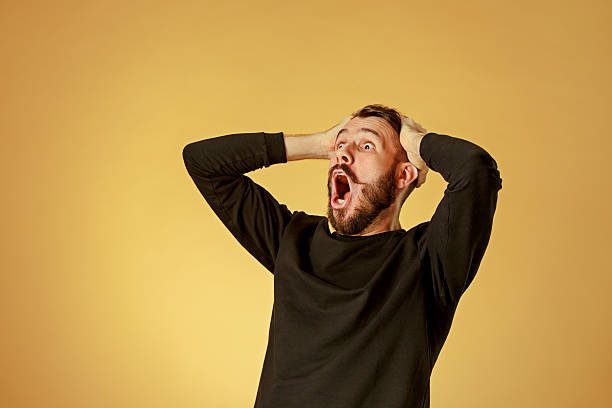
459 230
253 216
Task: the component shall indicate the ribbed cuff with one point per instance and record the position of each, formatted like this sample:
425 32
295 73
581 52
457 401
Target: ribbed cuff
275 143
428 144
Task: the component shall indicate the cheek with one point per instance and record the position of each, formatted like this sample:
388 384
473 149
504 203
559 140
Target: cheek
367 175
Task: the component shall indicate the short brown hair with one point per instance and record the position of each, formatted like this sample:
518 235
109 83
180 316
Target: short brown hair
394 118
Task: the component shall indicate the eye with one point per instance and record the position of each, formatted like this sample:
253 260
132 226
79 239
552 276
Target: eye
338 145
367 143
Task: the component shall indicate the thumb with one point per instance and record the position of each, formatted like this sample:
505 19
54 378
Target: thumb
421 177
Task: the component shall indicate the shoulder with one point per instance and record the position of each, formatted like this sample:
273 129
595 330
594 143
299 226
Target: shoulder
417 233
417 236
302 220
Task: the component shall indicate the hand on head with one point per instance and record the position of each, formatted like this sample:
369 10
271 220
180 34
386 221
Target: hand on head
410 139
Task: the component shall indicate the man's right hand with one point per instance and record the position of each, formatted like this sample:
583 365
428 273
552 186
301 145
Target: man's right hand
328 137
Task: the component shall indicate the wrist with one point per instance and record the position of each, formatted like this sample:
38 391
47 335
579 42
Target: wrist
326 146
305 146
412 143
417 143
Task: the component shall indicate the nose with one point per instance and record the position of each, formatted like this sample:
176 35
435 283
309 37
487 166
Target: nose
344 155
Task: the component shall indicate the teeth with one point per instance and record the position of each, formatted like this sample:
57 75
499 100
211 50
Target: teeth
341 200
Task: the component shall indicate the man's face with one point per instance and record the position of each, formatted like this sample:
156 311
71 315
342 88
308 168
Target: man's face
368 184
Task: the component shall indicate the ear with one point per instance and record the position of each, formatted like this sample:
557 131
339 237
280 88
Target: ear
407 174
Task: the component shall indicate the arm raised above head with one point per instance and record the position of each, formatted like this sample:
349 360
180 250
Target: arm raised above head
217 166
458 233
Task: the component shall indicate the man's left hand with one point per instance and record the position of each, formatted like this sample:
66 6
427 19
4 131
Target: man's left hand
410 139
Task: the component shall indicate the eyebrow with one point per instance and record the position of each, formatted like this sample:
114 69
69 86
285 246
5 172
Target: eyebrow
368 130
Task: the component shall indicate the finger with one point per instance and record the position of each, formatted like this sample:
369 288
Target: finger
422 177
412 123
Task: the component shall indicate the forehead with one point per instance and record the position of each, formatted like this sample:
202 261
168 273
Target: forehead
373 126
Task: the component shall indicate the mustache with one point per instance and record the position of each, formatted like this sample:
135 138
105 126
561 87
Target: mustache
349 173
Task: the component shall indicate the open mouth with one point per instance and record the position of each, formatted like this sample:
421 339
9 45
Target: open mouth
341 190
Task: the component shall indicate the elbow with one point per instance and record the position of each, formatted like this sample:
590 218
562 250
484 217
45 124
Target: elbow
489 165
195 162
481 169
483 162
482 159
187 158
493 171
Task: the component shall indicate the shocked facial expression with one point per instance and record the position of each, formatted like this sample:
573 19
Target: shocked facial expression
361 177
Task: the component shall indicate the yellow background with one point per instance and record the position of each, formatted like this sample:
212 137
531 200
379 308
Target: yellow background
120 287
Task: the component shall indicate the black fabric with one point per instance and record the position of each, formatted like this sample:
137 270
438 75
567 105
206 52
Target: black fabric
357 321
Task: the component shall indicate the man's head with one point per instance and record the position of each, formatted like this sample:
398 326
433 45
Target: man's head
377 176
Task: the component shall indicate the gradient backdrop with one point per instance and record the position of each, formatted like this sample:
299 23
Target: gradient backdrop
120 287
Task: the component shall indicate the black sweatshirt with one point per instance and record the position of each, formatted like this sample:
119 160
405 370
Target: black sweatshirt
357 321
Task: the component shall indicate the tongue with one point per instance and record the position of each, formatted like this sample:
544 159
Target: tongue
346 198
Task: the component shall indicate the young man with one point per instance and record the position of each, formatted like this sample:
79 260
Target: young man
360 314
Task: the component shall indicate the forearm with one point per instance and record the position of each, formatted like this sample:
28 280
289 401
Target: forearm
454 158
306 146
233 154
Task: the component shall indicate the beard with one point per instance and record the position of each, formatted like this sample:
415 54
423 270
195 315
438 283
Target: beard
375 197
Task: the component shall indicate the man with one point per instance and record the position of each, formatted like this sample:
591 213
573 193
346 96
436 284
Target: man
360 314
